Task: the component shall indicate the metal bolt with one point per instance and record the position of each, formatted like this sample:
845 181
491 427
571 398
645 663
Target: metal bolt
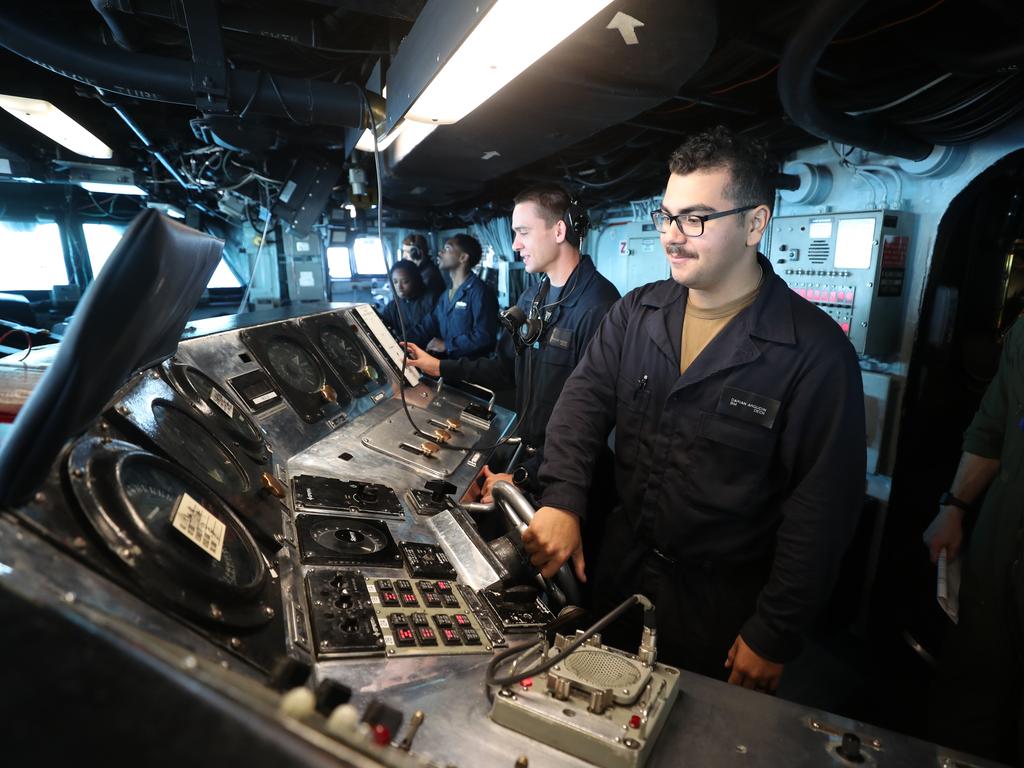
39 498
215 611
323 643
522 762
69 597
77 472
189 662
123 409
235 643
78 542
268 611
741 749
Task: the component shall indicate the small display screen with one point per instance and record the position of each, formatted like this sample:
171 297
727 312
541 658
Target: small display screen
820 229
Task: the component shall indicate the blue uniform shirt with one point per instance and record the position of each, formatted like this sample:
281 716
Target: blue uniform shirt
467 321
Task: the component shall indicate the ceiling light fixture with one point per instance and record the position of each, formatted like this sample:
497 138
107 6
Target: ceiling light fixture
510 37
58 126
365 143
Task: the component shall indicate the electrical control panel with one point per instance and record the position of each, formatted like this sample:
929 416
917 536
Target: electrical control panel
852 266
600 704
358 614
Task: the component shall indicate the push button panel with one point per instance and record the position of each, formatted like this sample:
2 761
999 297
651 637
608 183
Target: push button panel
430 617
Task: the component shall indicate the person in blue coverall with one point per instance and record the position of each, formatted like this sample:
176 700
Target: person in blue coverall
465 321
740 453
411 294
572 299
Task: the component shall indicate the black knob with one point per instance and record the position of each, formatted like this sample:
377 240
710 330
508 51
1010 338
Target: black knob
287 673
330 694
439 489
850 748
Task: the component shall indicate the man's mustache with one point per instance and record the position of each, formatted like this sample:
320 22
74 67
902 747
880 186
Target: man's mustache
678 250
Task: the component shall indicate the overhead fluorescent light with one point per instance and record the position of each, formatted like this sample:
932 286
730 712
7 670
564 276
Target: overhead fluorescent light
511 37
365 143
58 126
106 179
171 210
413 134
112 189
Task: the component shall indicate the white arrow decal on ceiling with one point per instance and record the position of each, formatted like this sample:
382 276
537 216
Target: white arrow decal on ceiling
627 27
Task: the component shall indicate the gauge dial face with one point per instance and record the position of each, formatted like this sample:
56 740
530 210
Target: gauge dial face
203 388
345 351
152 492
188 441
342 349
352 539
294 366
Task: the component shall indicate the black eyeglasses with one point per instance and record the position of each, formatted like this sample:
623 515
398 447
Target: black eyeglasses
690 224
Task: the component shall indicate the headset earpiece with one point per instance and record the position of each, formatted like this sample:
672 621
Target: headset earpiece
526 329
577 222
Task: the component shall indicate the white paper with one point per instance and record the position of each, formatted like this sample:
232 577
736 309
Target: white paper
947 587
199 526
223 403
306 279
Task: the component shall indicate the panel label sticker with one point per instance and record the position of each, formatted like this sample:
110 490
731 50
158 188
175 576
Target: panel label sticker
199 526
222 402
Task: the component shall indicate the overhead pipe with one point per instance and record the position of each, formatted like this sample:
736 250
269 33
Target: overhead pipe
157 78
118 32
119 111
821 22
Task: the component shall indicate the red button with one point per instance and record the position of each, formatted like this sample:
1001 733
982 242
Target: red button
381 735
526 682
634 721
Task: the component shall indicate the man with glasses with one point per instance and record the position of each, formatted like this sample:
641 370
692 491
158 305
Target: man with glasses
739 434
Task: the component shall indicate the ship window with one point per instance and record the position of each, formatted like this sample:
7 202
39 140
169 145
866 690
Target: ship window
31 256
369 252
338 263
100 241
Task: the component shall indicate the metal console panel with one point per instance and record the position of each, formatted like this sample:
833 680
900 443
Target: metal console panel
612 736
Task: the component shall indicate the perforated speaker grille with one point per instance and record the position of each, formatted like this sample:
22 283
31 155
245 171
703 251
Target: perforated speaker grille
602 669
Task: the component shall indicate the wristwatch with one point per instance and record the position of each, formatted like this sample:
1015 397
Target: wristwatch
520 477
947 499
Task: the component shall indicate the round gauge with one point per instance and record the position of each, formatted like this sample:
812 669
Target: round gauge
178 542
347 354
352 538
342 349
294 366
187 440
204 391
152 495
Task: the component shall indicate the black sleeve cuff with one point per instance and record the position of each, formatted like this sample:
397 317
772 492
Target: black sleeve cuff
774 645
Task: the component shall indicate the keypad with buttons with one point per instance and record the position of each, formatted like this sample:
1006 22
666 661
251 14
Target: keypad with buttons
435 619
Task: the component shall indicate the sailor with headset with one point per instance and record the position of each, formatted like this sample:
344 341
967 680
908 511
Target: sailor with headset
547 330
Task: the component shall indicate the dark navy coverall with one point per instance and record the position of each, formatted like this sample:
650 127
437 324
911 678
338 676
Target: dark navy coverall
467 321
588 295
741 481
